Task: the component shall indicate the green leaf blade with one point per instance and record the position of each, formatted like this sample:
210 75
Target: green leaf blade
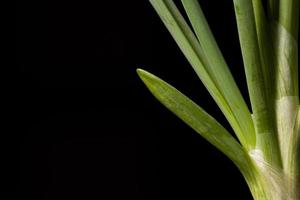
265 132
228 98
207 127
194 116
266 49
218 69
289 16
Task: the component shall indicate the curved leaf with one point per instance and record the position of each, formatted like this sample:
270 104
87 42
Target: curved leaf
194 116
213 72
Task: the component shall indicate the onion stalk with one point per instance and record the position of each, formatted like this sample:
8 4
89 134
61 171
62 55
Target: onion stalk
267 148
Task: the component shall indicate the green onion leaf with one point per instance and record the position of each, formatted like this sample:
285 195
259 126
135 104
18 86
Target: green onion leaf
218 69
217 79
265 132
289 16
194 116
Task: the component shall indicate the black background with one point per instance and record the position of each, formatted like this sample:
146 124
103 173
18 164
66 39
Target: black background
89 127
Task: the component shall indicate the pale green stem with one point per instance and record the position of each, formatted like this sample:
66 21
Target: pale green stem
289 16
287 48
286 43
293 171
266 138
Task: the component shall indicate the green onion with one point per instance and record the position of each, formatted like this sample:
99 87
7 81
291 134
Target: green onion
267 151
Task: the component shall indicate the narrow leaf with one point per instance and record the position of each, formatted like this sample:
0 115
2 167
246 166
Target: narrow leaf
289 16
263 31
231 104
218 69
194 116
207 127
266 138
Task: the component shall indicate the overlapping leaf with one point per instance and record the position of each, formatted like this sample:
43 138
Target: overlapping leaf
208 63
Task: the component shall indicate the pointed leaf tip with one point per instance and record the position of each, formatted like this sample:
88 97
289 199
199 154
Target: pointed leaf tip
140 72
145 76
